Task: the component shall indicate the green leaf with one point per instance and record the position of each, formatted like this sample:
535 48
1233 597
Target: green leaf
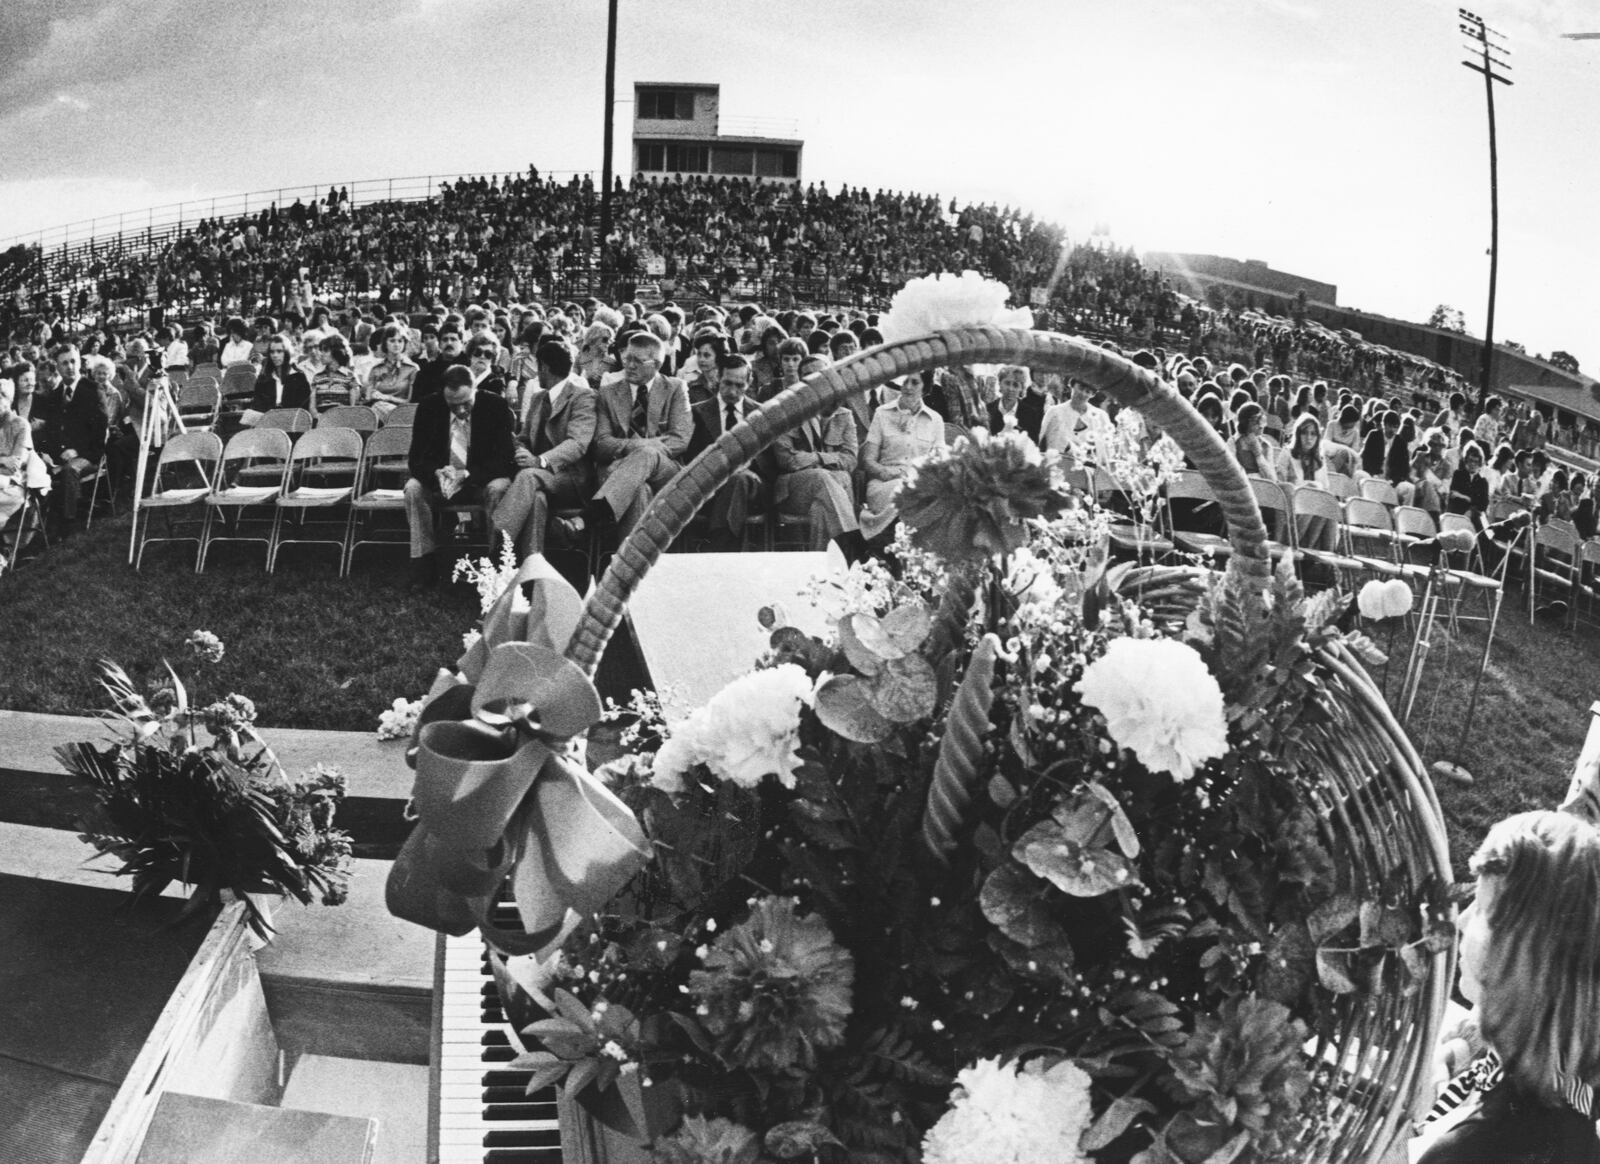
861 657
1332 916
904 691
1121 826
796 1138
1015 905
1229 1152
1113 1122
1385 925
844 706
1001 792
1333 971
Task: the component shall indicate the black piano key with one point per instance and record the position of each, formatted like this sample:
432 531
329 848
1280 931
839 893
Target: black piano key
551 1155
517 1111
494 1038
506 1078
510 1093
498 1055
523 1139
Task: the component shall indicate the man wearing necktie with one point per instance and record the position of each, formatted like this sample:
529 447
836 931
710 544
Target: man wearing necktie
731 505
463 451
553 452
814 465
642 431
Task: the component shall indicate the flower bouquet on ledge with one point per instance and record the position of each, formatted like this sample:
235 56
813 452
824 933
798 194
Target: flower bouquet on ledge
193 794
1030 861
1027 859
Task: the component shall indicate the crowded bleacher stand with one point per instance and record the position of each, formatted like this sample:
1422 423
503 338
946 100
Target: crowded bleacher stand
537 416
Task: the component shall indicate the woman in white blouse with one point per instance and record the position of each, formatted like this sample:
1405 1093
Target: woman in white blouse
901 434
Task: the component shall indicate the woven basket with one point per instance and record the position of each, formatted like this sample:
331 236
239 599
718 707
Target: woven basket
1382 817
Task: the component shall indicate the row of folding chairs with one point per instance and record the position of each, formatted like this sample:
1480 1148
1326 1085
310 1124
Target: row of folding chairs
1354 538
328 469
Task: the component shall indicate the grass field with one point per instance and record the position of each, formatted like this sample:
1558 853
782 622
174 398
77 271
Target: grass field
317 651
312 649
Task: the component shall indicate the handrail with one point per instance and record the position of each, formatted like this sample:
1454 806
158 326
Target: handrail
362 191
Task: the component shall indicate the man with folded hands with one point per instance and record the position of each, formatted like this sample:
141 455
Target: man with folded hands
731 505
463 451
642 433
552 452
814 466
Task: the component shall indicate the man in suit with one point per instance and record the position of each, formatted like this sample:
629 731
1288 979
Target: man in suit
814 467
553 452
84 429
1018 407
463 450
642 431
731 505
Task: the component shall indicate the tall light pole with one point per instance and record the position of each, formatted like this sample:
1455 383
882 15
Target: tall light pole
1492 57
611 104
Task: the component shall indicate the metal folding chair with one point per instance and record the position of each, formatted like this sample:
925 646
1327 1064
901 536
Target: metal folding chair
1189 485
264 449
383 456
199 402
318 451
399 416
202 450
1380 490
359 417
1553 561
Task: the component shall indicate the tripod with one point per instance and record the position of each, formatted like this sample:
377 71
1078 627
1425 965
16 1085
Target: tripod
161 419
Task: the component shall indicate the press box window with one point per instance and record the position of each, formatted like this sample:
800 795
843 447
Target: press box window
665 105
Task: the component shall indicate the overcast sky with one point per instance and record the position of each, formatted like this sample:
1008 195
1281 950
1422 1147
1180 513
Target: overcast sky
1339 140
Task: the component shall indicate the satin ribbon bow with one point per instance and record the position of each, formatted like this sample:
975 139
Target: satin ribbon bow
498 793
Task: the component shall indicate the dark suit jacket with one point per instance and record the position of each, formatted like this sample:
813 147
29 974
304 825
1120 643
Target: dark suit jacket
430 377
296 392
710 422
563 435
709 418
491 452
668 417
1030 414
83 422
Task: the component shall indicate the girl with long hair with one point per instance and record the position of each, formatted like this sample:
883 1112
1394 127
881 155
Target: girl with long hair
1530 964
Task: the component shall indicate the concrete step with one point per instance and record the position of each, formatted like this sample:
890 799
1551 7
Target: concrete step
393 1094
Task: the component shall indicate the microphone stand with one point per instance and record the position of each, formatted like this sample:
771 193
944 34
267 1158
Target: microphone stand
1452 769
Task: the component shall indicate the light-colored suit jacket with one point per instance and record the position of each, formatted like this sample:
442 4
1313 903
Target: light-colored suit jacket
569 426
668 422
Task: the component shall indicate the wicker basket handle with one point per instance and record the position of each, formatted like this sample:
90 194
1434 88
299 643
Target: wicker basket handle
1131 385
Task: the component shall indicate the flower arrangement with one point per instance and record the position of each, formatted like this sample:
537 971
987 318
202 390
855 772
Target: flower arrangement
937 302
216 814
1019 864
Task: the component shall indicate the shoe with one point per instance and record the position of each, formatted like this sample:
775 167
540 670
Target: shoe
597 513
853 546
424 573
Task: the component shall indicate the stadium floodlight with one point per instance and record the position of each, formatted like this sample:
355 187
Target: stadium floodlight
1491 63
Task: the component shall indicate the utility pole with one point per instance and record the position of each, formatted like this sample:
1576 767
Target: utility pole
611 105
1492 57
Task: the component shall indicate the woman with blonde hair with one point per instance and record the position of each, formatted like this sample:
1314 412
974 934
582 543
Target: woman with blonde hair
594 353
1530 962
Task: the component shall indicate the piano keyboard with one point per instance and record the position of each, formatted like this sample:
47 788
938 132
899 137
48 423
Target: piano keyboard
481 1112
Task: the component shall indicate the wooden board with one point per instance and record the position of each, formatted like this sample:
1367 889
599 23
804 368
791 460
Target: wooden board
694 617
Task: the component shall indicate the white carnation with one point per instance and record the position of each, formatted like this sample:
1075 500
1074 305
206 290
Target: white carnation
1160 702
400 720
1006 1115
749 730
939 302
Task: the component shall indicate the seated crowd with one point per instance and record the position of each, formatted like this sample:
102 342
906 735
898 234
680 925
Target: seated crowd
570 418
